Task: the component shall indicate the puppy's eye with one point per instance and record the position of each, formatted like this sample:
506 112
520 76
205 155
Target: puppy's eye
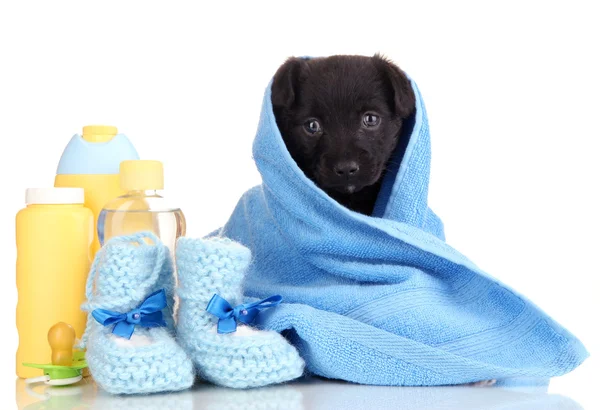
312 126
371 120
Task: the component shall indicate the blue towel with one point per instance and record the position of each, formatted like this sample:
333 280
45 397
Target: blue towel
383 299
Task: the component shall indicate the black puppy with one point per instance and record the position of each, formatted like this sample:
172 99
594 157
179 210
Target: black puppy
340 118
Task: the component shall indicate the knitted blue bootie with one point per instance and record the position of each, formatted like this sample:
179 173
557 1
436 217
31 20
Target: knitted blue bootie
125 282
241 359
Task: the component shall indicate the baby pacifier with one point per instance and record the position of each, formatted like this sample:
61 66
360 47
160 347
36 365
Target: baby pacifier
67 365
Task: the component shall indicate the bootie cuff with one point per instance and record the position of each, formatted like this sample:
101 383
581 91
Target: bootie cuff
211 266
126 270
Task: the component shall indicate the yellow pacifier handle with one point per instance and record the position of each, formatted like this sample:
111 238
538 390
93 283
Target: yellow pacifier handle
61 338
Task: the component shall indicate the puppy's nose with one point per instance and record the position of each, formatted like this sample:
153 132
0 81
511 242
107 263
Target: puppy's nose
346 168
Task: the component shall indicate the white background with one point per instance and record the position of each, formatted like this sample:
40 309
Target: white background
511 90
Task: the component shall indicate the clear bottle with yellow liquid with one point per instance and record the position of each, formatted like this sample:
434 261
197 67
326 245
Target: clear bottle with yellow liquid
91 161
54 233
142 208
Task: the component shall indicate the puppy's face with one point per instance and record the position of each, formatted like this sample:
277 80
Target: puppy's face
340 117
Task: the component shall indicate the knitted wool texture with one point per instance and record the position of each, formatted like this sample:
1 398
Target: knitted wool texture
127 270
245 358
382 298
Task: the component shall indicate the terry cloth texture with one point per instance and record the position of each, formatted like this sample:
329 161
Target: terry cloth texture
125 272
242 359
383 299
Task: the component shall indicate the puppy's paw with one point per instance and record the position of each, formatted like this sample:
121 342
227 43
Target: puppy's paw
483 383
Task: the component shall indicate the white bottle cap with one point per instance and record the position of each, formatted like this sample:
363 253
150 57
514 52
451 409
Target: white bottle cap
55 196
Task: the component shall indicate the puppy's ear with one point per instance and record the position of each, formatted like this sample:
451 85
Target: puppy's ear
285 82
404 97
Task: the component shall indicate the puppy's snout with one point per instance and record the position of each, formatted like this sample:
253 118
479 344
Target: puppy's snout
346 169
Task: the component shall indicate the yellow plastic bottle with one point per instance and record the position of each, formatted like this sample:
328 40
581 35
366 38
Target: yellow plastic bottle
91 161
54 234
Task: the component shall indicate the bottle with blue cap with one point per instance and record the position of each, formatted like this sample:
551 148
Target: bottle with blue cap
91 161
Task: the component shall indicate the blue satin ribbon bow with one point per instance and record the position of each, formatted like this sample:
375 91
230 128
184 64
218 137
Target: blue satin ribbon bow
229 316
148 314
